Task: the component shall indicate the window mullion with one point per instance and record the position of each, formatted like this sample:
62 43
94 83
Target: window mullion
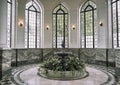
64 29
112 23
36 31
28 31
93 28
56 31
10 25
85 29
117 24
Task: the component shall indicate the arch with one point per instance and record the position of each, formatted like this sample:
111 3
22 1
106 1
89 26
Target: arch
86 3
33 27
88 31
60 26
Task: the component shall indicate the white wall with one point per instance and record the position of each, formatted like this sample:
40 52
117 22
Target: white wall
73 8
102 30
3 20
109 25
20 30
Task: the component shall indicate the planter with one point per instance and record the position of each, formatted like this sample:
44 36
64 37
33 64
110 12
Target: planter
62 75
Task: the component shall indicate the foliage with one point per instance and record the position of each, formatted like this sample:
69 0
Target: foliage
71 63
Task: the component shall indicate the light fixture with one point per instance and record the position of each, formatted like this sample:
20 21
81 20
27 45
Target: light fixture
20 23
47 27
101 23
73 27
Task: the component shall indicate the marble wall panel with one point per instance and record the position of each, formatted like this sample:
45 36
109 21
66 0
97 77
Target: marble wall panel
117 58
97 56
101 54
74 51
117 62
87 55
29 54
0 64
49 52
7 57
111 57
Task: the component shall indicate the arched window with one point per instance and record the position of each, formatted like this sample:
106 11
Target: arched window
33 25
116 23
88 25
60 26
10 19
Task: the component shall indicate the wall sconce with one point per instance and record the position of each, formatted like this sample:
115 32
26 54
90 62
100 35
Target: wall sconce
47 27
101 23
73 27
20 23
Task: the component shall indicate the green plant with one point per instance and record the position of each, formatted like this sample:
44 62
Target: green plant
71 63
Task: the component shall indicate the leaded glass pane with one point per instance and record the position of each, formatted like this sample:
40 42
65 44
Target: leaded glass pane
9 22
88 8
88 25
116 23
33 24
60 26
114 0
89 30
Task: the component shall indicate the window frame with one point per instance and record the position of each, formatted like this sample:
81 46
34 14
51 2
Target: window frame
9 31
117 24
36 11
83 11
65 28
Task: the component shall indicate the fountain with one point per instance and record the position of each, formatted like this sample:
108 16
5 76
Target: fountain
63 66
63 54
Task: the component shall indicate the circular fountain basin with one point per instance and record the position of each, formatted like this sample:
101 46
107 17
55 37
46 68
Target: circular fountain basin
62 75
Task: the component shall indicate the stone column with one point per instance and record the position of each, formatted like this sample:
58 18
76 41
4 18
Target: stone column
0 64
117 62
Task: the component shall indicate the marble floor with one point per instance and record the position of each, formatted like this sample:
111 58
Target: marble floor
27 75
